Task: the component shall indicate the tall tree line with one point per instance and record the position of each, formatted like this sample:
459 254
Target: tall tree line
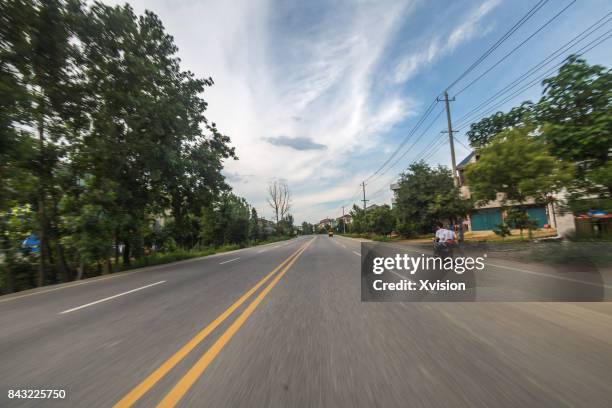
101 134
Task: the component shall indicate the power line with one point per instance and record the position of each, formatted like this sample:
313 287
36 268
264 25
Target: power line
436 117
503 38
408 136
434 145
437 142
599 40
381 170
516 48
573 42
422 153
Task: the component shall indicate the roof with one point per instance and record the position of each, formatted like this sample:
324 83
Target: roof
465 161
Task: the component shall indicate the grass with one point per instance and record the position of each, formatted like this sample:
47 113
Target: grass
596 254
161 258
372 236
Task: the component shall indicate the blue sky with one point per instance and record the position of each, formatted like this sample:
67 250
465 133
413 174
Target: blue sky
319 93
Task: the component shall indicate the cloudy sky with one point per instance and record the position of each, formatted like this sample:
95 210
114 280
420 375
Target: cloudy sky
321 93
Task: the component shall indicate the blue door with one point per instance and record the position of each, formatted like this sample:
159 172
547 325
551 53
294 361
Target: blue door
538 214
488 219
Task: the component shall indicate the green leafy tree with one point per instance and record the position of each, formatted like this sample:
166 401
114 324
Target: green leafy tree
87 225
307 228
576 110
519 166
254 229
481 132
380 220
285 226
360 223
340 227
426 196
503 230
226 222
518 218
101 128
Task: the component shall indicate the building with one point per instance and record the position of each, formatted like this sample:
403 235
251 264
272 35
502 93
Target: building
347 218
489 215
325 223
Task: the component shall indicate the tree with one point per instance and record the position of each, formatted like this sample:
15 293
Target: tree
285 226
481 132
380 220
518 165
517 217
359 224
279 199
254 230
340 226
426 196
576 110
102 135
226 221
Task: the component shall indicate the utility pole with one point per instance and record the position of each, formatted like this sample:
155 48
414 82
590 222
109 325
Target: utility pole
364 199
343 222
450 137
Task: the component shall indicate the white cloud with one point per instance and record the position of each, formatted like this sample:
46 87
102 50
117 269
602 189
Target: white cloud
438 46
312 82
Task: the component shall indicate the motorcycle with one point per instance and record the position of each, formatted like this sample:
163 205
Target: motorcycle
443 249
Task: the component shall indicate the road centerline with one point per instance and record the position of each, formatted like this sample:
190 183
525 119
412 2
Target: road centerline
144 386
185 383
111 297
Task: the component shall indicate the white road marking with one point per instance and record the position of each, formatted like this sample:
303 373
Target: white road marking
547 275
111 297
357 253
230 260
398 275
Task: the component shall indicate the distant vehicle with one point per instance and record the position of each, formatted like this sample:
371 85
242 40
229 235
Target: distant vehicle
330 233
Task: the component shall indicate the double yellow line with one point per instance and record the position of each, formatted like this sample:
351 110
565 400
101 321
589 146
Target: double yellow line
181 388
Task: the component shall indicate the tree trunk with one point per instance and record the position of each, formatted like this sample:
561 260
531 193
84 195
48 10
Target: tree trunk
126 254
8 261
81 270
61 265
107 266
117 251
42 218
64 271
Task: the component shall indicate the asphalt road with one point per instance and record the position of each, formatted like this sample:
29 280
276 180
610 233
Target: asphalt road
283 325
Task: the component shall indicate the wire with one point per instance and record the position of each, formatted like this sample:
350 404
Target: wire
433 149
412 145
462 144
418 157
535 81
573 42
408 136
503 38
516 48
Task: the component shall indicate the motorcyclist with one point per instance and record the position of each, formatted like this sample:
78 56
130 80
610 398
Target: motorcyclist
444 239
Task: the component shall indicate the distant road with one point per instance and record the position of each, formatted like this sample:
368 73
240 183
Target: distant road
283 325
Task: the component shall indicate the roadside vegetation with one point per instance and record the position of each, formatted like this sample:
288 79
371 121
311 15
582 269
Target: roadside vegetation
107 158
563 142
